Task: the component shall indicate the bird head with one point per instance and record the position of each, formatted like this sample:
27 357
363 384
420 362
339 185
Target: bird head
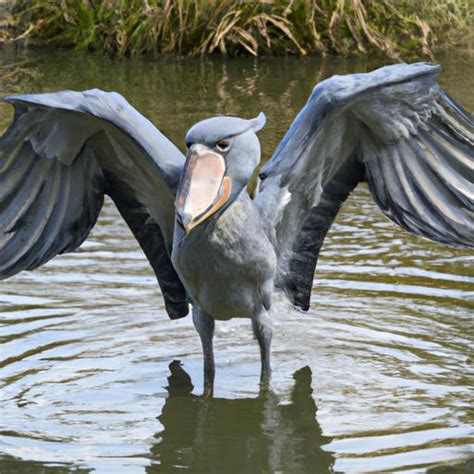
223 153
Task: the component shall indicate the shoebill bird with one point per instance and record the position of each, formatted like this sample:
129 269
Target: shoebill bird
210 244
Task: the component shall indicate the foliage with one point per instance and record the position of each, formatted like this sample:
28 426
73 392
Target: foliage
344 27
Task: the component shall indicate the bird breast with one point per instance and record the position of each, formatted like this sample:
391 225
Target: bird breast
228 264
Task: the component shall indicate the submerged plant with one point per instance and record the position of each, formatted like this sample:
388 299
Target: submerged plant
344 27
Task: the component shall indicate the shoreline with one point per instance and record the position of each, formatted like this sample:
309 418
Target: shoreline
394 30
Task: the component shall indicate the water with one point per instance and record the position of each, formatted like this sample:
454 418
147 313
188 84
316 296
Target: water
377 376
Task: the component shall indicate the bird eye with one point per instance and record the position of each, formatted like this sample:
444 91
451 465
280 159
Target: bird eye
223 145
189 145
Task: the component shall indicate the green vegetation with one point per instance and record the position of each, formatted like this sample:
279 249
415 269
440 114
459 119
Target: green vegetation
395 28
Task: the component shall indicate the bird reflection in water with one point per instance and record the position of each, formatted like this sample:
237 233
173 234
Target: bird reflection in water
240 435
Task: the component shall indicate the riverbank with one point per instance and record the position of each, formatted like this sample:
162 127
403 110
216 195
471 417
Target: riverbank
396 29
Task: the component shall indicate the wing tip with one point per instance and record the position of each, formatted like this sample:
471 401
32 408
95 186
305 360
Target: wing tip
302 305
177 310
12 99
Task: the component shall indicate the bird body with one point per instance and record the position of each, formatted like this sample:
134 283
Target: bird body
233 272
209 243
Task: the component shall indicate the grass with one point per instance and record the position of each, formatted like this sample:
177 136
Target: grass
394 28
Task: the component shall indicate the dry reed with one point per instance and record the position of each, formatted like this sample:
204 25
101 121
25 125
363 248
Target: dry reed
395 28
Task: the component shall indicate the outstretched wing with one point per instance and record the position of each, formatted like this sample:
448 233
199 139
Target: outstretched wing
62 152
394 127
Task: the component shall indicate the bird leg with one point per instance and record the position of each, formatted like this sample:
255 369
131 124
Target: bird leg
204 325
262 330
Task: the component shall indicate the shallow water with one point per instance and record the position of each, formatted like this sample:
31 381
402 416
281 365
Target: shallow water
377 376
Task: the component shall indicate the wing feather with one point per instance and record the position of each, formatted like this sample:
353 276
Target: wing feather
58 159
414 142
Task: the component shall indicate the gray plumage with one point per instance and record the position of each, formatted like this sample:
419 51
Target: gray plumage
208 242
394 127
214 129
61 154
